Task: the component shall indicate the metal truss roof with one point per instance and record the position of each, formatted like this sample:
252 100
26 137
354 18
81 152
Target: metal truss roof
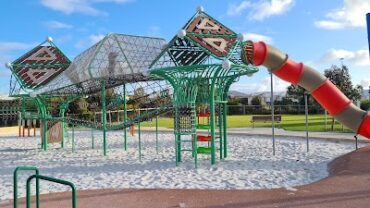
117 58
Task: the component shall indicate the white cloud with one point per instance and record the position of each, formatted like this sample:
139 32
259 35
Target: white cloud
96 38
154 31
11 46
57 25
365 83
359 58
8 51
352 14
91 40
262 9
237 9
262 86
63 39
258 37
78 6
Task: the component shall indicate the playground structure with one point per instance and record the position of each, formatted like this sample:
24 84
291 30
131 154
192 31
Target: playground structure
200 64
190 76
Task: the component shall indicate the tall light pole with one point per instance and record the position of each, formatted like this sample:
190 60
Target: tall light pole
272 113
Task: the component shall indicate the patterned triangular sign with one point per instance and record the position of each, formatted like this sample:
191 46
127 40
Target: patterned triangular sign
43 54
40 65
211 35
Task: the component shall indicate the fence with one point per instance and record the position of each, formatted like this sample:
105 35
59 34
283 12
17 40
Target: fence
266 109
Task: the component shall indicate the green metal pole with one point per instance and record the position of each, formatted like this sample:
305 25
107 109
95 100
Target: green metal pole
15 185
23 107
194 136
224 115
139 135
44 133
220 126
104 116
62 111
42 108
212 123
73 138
156 134
92 139
125 116
179 147
50 179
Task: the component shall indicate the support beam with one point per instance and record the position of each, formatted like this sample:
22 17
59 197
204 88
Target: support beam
92 139
213 124
156 134
220 122
62 112
224 114
124 117
73 138
34 127
104 115
139 135
272 113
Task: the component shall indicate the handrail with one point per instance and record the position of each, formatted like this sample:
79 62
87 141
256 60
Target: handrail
15 184
55 180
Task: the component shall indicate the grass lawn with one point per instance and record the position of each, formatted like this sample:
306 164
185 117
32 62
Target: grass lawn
289 122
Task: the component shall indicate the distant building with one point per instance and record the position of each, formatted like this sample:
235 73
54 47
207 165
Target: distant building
265 96
9 108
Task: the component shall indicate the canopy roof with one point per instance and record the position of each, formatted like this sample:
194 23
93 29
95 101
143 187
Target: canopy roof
117 58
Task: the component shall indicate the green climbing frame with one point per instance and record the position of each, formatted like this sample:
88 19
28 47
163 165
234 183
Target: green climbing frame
201 63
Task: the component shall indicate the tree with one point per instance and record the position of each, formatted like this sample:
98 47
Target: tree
256 100
341 78
296 93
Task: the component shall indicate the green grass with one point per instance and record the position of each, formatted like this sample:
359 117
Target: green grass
289 122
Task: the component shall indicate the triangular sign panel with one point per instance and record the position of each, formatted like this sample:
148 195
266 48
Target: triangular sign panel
39 66
211 34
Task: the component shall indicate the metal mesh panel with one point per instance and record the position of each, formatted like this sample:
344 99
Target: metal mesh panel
117 58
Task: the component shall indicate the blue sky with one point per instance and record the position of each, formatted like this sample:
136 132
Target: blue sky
318 34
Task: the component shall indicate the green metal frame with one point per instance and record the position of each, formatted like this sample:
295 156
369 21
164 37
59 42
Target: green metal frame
50 179
204 83
197 77
15 184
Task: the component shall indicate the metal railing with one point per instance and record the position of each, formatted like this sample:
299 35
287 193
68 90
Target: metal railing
38 177
15 184
55 180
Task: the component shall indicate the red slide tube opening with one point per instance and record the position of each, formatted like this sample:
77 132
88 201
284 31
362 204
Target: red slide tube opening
260 53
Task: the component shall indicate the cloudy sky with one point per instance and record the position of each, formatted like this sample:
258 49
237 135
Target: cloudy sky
318 34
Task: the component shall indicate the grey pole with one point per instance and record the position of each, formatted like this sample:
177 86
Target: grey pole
272 113
326 120
356 139
306 112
